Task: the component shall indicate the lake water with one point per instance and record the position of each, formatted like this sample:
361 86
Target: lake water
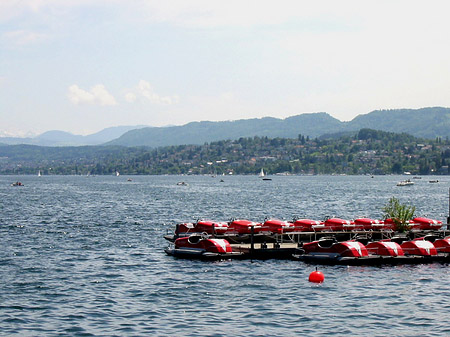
83 256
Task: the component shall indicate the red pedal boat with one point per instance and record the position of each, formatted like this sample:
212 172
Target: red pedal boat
201 246
243 227
277 226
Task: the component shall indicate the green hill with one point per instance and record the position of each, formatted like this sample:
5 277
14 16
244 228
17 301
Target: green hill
313 125
426 123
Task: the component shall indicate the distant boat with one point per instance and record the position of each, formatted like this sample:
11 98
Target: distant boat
434 181
117 173
17 183
405 183
39 173
182 183
262 174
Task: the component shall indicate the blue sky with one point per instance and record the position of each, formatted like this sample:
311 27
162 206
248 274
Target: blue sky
81 66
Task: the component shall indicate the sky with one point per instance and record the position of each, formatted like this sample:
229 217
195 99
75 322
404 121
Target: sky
84 65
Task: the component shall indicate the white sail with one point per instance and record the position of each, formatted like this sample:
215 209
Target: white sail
262 174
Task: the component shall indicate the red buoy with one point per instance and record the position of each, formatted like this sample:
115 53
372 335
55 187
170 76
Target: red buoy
316 277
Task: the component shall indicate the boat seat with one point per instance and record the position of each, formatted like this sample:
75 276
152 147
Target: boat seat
326 242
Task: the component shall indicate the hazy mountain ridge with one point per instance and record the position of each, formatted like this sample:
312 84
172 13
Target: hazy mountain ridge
63 138
426 123
310 124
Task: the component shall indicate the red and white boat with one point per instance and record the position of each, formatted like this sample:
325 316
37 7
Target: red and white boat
385 248
337 224
184 228
211 227
201 246
419 247
389 224
277 226
243 227
369 224
330 247
308 225
442 245
426 223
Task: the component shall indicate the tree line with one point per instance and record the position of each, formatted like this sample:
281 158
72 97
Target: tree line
365 152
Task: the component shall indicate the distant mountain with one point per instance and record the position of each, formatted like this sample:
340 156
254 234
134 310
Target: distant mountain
62 138
312 124
425 123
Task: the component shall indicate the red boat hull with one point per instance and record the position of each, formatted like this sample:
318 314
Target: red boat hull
243 227
336 224
308 225
427 224
419 247
220 246
385 248
211 227
277 226
442 245
344 249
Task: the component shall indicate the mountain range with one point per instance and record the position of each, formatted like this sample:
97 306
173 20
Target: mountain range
63 138
426 123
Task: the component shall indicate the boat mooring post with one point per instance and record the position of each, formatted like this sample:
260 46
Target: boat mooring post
252 241
448 218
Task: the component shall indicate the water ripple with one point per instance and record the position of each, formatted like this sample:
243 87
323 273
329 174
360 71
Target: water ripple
84 256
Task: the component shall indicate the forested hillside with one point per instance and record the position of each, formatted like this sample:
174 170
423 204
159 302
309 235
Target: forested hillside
426 123
366 152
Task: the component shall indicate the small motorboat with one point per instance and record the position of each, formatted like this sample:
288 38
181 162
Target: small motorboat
202 247
17 183
405 183
182 183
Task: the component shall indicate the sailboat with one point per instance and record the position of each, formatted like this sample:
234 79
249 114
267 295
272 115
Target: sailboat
263 175
39 173
117 173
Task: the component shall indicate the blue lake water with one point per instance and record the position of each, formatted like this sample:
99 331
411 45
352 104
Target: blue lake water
83 256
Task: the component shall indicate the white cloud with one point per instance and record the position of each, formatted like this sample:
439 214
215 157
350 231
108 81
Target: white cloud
130 97
145 90
23 37
97 95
